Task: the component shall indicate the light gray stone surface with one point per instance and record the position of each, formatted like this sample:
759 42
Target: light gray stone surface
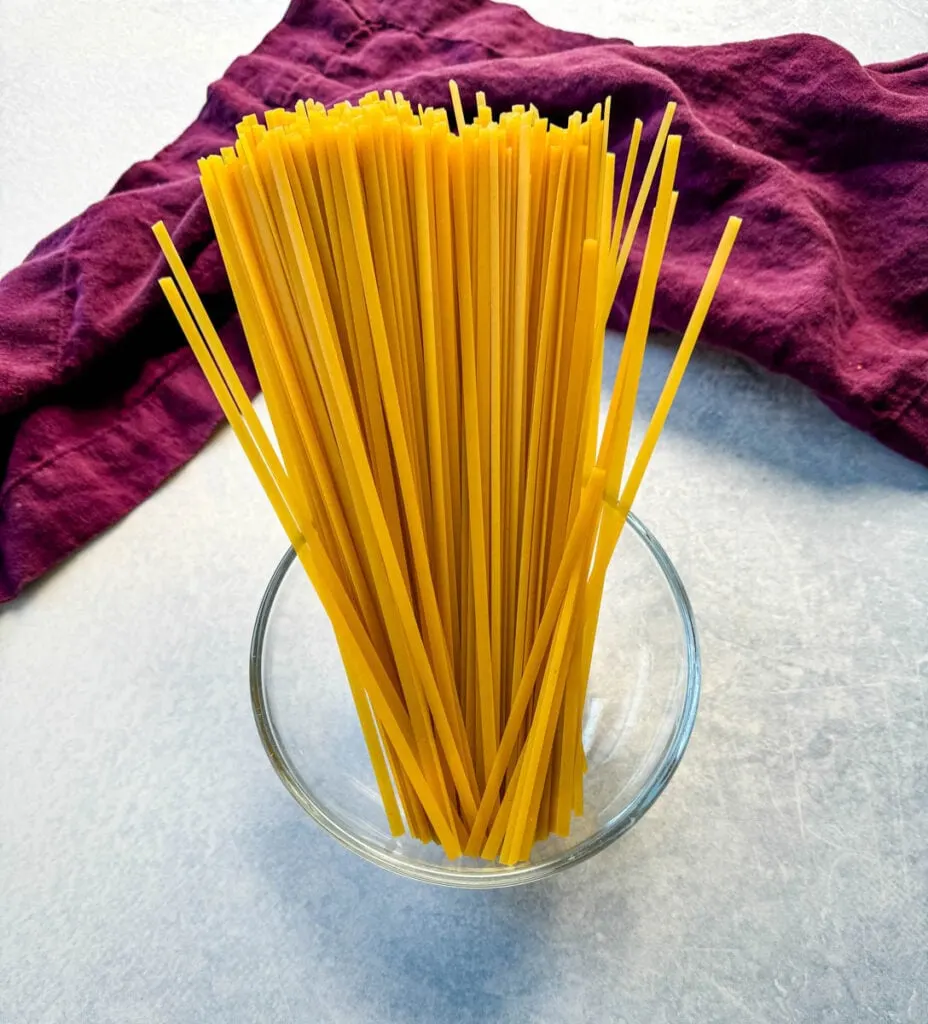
153 869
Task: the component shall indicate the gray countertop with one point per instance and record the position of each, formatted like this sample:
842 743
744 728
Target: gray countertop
152 867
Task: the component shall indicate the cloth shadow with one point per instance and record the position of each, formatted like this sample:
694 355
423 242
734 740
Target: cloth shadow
736 407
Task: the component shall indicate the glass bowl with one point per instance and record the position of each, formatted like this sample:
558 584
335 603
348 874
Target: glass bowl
640 709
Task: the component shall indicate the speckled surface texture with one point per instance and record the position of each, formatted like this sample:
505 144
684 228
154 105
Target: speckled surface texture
153 869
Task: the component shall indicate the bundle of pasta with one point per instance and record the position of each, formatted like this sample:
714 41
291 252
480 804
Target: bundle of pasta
426 310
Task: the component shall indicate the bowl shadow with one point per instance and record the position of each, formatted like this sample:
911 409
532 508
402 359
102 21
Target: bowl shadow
408 952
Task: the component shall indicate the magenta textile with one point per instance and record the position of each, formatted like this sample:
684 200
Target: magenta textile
826 161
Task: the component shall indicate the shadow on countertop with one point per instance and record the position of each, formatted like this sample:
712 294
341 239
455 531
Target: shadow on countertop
400 950
732 405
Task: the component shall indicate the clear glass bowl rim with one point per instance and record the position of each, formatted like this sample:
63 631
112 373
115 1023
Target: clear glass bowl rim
499 876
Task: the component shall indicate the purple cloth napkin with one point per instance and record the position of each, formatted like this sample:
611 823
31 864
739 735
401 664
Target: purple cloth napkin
826 161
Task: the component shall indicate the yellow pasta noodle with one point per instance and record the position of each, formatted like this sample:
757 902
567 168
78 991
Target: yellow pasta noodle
425 304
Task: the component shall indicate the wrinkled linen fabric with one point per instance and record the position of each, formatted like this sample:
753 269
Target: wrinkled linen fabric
826 161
